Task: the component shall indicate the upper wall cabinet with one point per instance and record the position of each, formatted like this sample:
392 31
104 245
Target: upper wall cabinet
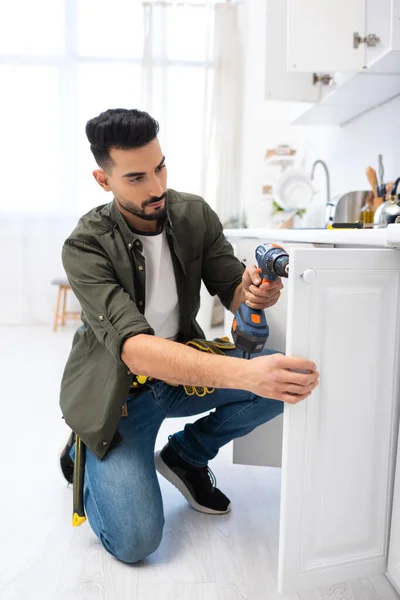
320 35
281 85
343 36
343 56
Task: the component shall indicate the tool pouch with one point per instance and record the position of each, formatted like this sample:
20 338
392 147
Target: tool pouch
216 346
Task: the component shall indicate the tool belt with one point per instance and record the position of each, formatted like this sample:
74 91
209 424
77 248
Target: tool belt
216 346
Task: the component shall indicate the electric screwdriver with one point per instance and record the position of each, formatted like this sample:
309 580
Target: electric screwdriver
250 329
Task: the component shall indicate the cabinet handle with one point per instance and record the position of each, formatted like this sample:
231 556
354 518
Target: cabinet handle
308 276
371 40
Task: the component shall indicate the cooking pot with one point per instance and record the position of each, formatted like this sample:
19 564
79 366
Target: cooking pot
346 207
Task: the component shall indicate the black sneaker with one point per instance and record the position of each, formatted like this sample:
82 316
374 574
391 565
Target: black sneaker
197 484
66 462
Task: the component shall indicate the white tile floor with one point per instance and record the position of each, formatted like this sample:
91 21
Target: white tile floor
229 557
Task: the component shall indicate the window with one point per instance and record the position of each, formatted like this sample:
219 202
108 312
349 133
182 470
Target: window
100 85
30 143
32 28
110 29
67 60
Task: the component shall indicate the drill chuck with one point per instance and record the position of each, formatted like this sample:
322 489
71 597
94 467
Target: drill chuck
273 261
281 265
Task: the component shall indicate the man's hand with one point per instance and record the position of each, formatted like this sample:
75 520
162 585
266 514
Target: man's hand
277 376
260 297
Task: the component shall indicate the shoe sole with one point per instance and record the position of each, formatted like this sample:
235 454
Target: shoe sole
170 476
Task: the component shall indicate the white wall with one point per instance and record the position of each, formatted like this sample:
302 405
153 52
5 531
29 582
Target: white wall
348 150
253 18
265 124
30 250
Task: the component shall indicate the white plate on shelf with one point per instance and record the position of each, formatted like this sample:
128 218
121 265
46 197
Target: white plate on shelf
293 190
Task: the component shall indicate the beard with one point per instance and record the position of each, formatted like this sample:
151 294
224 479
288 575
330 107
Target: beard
158 215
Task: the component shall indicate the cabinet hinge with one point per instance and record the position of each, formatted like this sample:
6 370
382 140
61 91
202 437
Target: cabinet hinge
325 79
370 40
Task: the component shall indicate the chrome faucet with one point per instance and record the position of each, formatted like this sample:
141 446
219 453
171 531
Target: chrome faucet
328 179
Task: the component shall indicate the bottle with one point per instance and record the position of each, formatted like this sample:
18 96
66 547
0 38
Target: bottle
367 212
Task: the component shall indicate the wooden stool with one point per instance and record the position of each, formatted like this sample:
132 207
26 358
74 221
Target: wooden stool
63 287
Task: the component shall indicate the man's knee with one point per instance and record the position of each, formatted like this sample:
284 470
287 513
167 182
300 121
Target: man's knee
138 550
131 548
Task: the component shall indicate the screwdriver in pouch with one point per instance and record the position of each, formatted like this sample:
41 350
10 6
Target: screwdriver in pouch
78 509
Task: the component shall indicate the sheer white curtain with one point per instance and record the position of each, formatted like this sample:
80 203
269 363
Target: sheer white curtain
193 84
84 57
198 102
226 114
177 81
61 64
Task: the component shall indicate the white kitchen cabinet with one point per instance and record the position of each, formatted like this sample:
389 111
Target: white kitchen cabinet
383 18
352 95
321 36
379 18
263 446
339 445
393 571
279 83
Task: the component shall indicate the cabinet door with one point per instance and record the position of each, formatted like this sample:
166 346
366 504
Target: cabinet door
380 17
263 446
393 571
320 35
281 85
339 444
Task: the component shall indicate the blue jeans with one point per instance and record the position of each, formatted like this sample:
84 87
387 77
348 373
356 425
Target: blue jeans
122 495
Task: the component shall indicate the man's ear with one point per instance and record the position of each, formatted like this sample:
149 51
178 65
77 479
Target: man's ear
102 179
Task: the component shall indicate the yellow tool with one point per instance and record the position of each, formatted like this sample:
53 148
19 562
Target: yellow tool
78 509
355 225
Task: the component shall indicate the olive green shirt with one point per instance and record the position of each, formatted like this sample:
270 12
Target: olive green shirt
106 269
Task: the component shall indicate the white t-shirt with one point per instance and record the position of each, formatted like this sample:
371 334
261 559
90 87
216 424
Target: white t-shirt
161 302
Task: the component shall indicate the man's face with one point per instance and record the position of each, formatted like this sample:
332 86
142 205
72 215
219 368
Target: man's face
138 180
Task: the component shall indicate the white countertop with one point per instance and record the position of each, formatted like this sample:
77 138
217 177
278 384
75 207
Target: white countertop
379 238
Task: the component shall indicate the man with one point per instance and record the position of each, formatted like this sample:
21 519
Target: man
136 267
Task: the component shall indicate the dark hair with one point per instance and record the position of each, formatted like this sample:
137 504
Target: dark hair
119 128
